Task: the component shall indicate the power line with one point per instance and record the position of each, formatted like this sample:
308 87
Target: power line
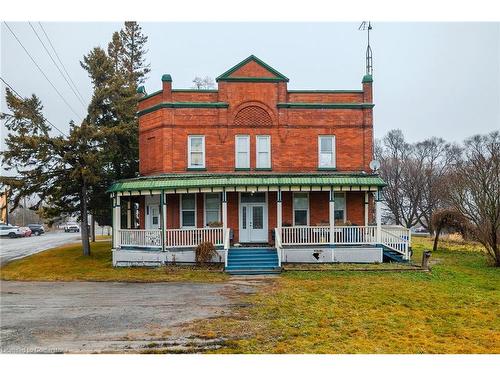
20 97
58 59
57 66
41 71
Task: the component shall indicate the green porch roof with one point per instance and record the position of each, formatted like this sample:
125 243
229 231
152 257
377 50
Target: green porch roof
207 180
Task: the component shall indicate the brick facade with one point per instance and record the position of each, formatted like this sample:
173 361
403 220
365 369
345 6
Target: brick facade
253 99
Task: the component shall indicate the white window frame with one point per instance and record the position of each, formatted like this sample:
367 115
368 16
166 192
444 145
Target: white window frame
195 210
241 136
190 137
257 166
334 149
293 206
219 218
345 204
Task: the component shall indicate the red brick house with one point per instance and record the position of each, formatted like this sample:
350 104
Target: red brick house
258 170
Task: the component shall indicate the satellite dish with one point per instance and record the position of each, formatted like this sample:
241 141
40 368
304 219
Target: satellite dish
374 165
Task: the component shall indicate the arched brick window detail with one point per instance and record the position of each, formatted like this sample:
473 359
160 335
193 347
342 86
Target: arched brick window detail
253 116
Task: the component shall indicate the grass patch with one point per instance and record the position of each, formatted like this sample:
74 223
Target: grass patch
66 263
453 309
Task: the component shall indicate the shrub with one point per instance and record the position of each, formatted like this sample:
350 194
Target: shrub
205 251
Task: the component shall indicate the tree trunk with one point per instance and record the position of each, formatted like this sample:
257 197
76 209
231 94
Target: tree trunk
92 229
436 239
85 221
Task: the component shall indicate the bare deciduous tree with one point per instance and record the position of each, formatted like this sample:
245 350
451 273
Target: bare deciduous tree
474 190
203 83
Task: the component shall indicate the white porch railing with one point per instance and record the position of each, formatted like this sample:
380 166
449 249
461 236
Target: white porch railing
394 237
227 243
174 238
140 237
193 237
397 238
304 235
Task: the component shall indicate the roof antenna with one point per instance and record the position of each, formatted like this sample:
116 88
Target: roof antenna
366 25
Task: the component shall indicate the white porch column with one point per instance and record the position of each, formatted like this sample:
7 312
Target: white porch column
129 214
224 211
367 201
116 222
331 216
224 220
378 210
163 223
279 211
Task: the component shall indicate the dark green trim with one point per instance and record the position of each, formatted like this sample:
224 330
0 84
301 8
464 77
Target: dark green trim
326 105
141 90
194 90
326 169
175 181
166 78
263 169
367 79
182 105
150 95
241 169
325 91
252 79
225 76
196 169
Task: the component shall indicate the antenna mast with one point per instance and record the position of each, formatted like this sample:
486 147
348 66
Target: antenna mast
366 25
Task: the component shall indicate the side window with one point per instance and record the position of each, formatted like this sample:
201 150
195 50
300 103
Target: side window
188 210
263 151
340 207
242 151
326 151
212 208
300 208
196 151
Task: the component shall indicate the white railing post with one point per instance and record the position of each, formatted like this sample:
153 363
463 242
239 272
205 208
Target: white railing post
277 240
331 212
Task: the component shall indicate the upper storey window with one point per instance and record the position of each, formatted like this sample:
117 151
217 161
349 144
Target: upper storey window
263 152
326 151
242 145
196 151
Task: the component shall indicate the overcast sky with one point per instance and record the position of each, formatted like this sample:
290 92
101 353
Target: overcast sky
430 79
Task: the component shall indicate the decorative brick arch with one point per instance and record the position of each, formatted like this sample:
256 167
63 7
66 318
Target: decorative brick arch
253 115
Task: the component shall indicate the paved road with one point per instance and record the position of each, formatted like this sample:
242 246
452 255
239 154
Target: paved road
14 248
111 317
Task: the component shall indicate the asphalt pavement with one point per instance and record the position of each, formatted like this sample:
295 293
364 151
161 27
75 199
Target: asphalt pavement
89 317
15 248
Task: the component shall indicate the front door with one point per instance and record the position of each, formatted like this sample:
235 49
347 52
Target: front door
253 218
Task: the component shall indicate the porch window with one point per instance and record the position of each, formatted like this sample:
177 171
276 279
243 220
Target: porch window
263 151
242 146
212 208
300 208
196 151
188 210
340 207
326 151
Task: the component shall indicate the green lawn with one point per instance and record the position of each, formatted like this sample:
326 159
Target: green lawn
66 263
453 309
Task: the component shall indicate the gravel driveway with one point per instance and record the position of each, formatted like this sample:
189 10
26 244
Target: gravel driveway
53 317
14 248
